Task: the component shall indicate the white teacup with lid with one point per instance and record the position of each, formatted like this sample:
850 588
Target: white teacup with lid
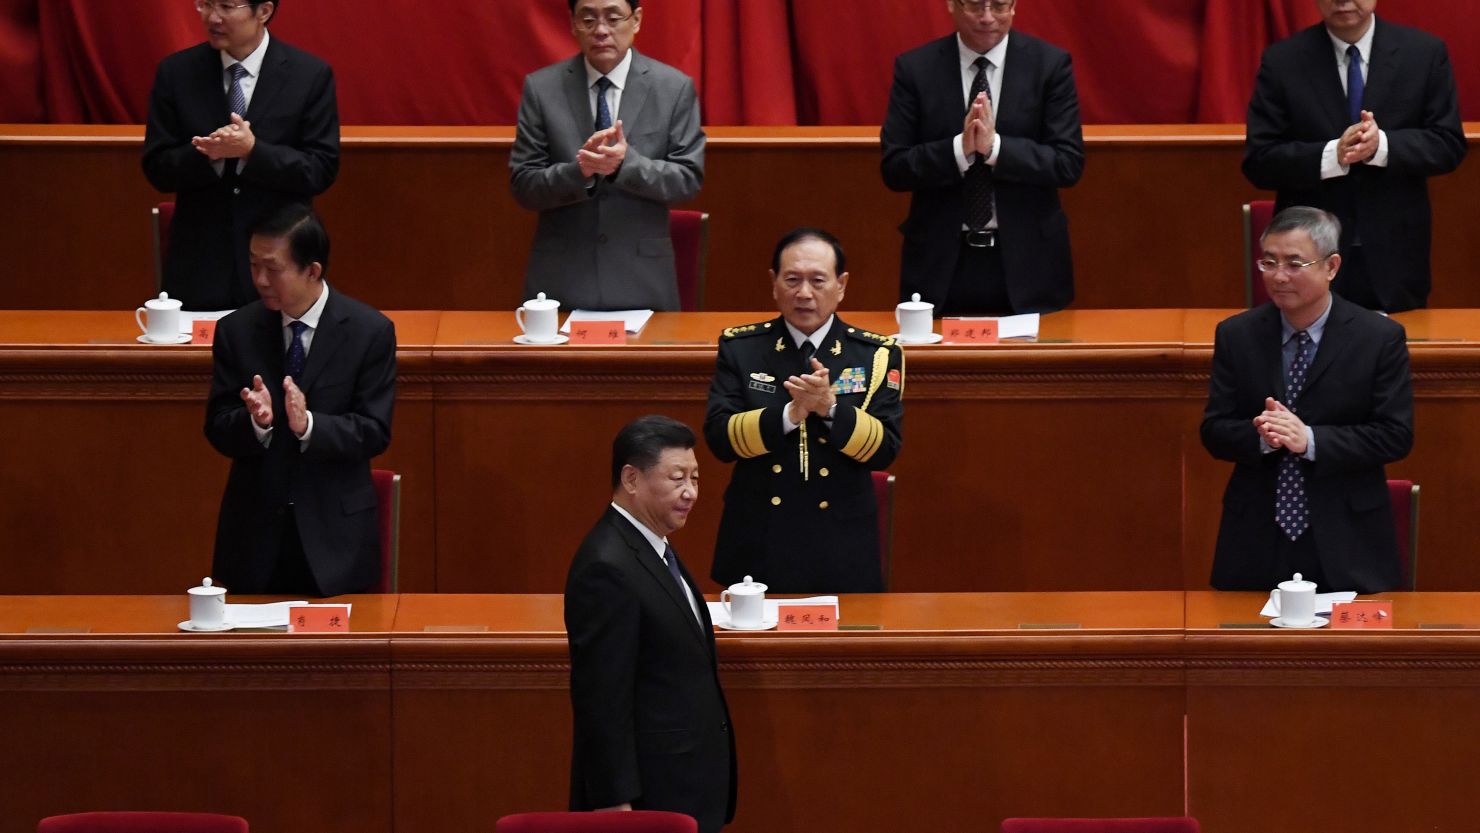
746 603
1295 601
207 607
913 317
539 318
164 319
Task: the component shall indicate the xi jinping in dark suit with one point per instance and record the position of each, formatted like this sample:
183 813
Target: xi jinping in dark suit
1310 397
1353 115
302 388
237 126
652 730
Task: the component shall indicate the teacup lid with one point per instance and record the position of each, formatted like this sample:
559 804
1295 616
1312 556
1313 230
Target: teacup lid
540 302
207 589
914 303
749 587
1297 585
163 302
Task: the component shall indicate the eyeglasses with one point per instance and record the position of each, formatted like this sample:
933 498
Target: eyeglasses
612 20
224 9
999 8
1292 267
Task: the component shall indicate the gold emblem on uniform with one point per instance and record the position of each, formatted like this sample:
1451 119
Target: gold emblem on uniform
780 345
837 348
763 377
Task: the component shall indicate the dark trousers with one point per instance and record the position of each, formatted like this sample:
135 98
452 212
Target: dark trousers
1300 556
1355 282
292 575
979 285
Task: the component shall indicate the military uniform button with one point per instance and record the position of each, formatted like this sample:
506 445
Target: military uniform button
822 505
776 468
822 440
775 501
823 472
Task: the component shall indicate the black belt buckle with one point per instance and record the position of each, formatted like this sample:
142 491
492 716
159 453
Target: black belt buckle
981 238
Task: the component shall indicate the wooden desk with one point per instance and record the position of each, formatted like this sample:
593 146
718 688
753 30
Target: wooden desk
422 217
1070 464
448 711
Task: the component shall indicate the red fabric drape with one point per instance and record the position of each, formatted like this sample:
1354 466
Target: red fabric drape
20 62
755 61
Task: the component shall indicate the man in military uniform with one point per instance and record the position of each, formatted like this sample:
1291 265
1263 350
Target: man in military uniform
807 407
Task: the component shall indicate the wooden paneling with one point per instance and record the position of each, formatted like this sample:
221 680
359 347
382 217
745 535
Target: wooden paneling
422 218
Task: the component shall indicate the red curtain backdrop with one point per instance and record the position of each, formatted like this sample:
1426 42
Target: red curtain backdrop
764 62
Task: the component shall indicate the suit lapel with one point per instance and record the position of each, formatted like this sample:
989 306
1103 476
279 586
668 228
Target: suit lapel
653 565
1333 341
634 95
1270 346
326 340
212 78
1016 86
1325 80
578 96
1382 69
274 74
951 109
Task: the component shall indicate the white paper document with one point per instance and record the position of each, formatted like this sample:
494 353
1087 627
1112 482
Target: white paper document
635 319
1323 602
718 614
1013 326
271 615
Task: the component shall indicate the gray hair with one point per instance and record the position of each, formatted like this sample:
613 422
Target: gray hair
1322 226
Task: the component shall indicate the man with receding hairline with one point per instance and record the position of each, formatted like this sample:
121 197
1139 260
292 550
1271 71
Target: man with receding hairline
606 141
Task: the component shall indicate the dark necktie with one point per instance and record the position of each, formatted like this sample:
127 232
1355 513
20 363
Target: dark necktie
1290 510
671 559
808 350
1355 84
296 356
603 111
235 96
979 175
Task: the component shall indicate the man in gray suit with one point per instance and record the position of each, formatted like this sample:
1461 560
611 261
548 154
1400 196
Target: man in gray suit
602 184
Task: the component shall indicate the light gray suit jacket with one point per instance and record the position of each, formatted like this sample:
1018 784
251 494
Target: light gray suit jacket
606 247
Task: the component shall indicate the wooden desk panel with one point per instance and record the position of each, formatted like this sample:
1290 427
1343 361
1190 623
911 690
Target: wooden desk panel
423 219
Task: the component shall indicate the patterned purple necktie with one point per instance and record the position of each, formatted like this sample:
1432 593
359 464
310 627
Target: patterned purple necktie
979 209
1290 510
235 96
296 357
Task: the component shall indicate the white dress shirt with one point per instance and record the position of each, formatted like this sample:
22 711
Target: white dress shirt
660 546
1330 166
253 64
311 318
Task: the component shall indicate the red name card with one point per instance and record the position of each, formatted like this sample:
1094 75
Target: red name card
598 332
1362 615
319 619
806 618
968 331
203 332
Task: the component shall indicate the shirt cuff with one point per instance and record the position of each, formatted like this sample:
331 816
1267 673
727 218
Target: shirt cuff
264 435
787 426
1310 444
307 434
1264 446
1330 167
1380 159
996 149
962 163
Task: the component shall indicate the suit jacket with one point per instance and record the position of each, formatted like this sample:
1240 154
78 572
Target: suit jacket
1298 106
1042 151
812 530
651 723
295 118
349 381
1358 400
606 247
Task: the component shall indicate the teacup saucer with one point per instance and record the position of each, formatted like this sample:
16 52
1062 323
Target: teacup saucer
1318 622
182 338
765 625
524 339
933 338
189 625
